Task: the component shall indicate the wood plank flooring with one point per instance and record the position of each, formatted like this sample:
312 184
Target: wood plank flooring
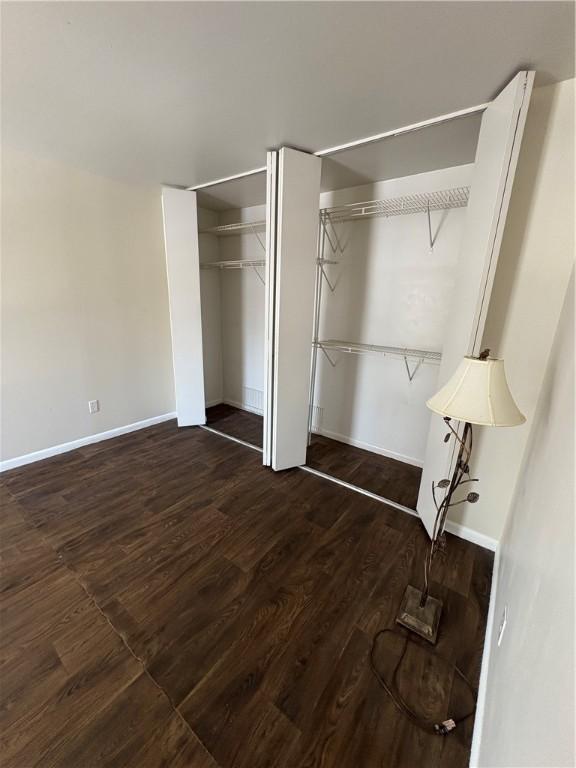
167 601
236 423
392 479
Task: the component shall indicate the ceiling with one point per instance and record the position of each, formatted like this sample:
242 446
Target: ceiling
186 92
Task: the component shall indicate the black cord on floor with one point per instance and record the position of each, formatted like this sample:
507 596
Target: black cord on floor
439 729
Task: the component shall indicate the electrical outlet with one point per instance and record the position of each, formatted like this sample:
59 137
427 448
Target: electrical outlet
93 406
502 627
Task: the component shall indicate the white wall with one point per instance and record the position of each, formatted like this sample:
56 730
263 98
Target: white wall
390 290
533 270
210 299
529 710
84 304
243 315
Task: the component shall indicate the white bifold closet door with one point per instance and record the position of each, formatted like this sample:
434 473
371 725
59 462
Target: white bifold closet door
183 271
496 158
292 234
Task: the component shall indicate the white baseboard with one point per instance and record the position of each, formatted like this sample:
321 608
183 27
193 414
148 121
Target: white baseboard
369 447
212 403
486 653
463 532
54 450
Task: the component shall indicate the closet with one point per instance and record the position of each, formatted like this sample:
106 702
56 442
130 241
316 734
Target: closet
232 262
386 271
413 254
334 292
237 258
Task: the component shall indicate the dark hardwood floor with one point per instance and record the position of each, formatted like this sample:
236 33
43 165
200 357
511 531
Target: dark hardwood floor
394 480
167 601
236 423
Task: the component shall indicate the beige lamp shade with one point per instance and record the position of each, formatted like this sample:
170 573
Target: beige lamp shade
478 393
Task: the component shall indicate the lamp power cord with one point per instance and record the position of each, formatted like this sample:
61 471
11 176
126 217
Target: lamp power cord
392 689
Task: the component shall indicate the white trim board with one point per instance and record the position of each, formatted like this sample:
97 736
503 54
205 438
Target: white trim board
46 453
486 654
368 447
469 534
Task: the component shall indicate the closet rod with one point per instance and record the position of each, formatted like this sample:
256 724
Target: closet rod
359 142
357 348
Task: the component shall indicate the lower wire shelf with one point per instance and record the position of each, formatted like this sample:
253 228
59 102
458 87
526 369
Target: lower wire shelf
233 264
357 348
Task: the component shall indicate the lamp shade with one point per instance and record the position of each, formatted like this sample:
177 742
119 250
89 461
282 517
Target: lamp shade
478 393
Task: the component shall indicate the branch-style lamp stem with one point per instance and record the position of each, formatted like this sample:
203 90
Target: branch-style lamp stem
460 475
477 393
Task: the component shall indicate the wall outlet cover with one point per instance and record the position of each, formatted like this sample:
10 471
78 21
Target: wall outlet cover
93 406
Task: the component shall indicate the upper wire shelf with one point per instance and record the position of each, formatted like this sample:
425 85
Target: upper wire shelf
397 206
239 228
354 347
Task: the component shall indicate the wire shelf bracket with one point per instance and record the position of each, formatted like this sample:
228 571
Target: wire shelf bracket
321 263
430 238
414 371
335 245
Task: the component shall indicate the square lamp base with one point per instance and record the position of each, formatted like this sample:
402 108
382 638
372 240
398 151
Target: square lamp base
423 620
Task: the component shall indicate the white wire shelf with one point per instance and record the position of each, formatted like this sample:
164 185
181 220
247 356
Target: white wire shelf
356 348
240 228
233 264
397 206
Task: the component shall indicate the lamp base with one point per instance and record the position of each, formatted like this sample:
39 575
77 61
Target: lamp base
423 620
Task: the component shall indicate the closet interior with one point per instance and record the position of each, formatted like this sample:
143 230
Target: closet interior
389 229
232 255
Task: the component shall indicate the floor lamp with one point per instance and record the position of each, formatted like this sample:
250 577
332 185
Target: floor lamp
477 393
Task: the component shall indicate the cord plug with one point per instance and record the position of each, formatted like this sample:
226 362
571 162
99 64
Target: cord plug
443 729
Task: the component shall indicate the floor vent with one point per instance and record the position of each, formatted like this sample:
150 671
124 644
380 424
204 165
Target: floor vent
254 399
317 418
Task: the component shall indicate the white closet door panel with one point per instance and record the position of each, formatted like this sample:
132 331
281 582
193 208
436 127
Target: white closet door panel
296 238
496 158
269 313
183 270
